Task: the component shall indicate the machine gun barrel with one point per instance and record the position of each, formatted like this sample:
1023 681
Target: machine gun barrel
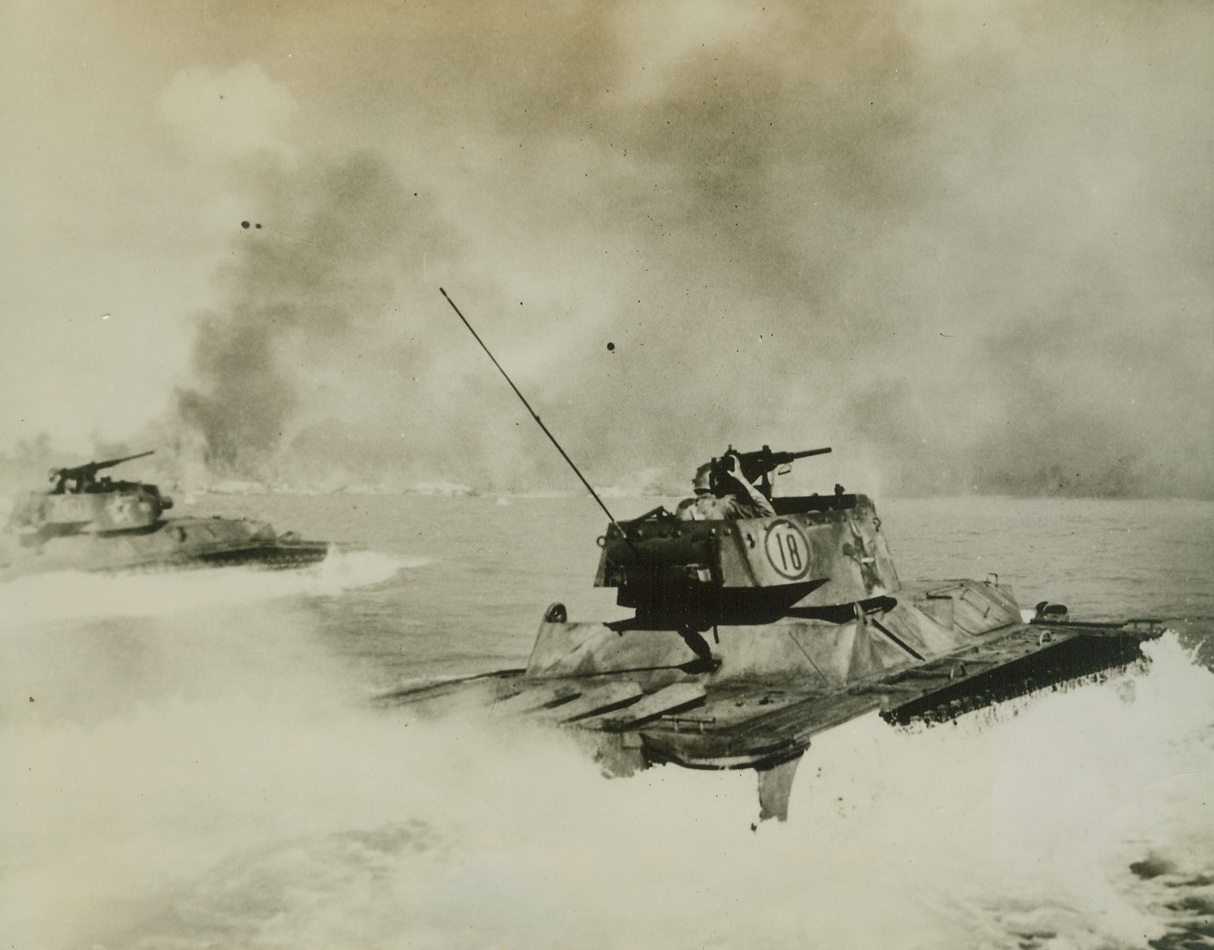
757 467
760 464
92 468
783 458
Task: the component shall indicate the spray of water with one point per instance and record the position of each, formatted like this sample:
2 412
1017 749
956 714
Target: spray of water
74 595
205 779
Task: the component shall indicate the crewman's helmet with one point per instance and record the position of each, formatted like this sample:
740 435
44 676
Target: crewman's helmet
702 483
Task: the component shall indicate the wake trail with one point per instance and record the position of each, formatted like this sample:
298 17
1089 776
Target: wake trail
75 595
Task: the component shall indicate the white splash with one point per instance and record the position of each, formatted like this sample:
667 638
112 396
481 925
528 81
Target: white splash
75 595
234 797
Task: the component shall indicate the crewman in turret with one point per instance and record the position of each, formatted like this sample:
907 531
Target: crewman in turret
732 497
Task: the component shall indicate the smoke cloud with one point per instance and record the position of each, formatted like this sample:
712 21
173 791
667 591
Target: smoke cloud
968 247
308 302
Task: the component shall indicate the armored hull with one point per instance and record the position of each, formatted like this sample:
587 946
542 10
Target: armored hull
174 544
751 636
83 524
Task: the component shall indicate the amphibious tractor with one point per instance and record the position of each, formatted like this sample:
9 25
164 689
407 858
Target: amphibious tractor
86 523
751 635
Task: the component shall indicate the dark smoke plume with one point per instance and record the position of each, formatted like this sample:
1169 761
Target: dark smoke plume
970 249
310 304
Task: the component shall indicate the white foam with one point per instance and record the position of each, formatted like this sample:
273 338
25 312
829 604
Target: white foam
75 595
237 798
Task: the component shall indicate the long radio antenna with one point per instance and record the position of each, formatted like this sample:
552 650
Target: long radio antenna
534 416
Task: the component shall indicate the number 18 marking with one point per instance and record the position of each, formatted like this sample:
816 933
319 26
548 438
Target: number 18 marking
787 550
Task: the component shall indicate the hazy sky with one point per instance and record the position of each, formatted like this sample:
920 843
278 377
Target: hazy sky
969 244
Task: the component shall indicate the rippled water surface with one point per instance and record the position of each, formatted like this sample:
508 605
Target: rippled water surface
196 760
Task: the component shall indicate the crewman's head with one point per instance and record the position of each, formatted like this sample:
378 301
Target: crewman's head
702 483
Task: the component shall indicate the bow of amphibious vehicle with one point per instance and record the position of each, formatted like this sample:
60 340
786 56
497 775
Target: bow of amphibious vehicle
751 636
88 524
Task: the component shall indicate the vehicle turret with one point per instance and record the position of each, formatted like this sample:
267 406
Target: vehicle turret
82 477
79 502
819 553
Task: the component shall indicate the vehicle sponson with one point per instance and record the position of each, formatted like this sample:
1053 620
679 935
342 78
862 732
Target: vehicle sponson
178 544
771 688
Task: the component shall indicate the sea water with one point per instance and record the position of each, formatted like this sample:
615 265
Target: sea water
198 759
